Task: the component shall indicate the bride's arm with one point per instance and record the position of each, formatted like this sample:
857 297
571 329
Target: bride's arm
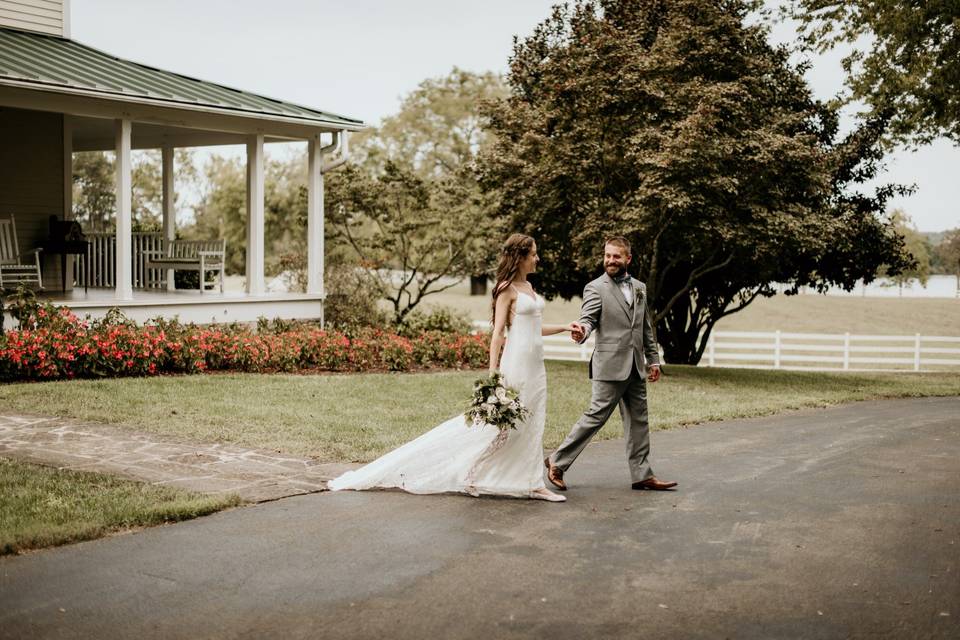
553 329
504 300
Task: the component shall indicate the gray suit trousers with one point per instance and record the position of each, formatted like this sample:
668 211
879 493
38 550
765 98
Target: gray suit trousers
631 395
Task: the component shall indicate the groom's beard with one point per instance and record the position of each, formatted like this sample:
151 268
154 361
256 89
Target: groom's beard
615 271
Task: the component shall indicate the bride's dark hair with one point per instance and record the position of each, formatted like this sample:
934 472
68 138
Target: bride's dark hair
514 250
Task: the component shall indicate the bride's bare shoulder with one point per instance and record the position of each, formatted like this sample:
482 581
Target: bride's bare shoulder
505 290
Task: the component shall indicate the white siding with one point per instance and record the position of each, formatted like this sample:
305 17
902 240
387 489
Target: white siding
43 16
31 178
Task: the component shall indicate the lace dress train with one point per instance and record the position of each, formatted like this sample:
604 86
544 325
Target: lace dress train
454 457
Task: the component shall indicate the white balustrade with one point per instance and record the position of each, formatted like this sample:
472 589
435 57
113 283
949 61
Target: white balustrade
98 267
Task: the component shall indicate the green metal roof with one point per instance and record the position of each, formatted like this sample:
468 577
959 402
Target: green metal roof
58 64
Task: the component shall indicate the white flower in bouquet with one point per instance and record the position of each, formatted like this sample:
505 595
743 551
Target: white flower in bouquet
495 404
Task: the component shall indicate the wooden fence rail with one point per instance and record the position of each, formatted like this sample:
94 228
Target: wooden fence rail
810 351
842 351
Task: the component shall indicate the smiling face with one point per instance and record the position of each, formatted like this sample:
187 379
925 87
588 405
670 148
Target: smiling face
529 263
616 259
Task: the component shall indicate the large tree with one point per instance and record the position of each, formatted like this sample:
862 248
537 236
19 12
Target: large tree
438 130
437 135
222 209
94 196
413 236
904 58
948 253
678 125
915 244
94 191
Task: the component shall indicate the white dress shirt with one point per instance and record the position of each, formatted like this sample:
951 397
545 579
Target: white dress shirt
627 288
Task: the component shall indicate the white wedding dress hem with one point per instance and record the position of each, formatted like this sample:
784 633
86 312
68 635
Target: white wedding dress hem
455 457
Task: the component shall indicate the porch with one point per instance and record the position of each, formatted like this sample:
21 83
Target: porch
59 97
190 305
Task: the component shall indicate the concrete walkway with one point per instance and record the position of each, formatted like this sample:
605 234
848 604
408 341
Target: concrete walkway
840 523
254 475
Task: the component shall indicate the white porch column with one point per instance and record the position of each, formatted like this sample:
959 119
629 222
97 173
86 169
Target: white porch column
68 191
255 283
67 168
315 216
124 265
169 211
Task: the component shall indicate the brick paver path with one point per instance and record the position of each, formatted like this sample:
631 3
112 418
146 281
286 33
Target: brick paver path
254 475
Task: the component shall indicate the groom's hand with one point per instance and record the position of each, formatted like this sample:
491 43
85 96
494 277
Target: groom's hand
653 373
577 331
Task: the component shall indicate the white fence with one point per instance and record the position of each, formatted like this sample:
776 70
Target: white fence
841 351
810 351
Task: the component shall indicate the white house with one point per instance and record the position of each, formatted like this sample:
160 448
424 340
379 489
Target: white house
58 96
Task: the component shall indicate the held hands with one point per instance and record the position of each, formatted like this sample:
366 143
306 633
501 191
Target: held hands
653 373
577 331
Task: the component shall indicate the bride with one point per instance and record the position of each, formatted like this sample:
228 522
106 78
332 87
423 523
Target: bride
454 457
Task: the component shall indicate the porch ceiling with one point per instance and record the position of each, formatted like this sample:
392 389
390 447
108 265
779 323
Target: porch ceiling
64 75
97 134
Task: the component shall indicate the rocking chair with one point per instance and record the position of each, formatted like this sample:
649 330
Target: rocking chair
15 267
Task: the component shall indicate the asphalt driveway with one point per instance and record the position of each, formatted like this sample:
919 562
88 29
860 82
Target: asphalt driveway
837 523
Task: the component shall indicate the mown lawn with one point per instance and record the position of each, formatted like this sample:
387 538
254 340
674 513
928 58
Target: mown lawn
42 507
357 417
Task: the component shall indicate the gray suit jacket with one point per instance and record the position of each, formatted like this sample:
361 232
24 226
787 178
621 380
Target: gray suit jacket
623 335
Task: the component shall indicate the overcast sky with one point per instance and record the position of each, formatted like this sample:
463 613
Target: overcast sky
358 57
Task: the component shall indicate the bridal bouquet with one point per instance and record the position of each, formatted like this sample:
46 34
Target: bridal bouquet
495 404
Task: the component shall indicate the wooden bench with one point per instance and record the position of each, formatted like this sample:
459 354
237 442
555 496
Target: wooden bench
191 255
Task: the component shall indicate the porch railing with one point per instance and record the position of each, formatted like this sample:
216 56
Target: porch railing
98 268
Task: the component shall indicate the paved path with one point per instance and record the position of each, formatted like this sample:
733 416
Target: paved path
841 523
254 475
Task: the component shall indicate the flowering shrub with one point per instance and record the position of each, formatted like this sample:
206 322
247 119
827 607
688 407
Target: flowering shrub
53 343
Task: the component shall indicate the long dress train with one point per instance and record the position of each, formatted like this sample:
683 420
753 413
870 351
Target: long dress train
454 457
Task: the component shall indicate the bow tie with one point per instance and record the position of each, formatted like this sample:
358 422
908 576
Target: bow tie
621 279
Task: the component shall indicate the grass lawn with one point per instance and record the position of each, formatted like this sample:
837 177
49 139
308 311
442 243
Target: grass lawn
42 507
808 313
360 416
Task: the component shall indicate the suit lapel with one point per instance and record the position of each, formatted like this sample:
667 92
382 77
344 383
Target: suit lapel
617 294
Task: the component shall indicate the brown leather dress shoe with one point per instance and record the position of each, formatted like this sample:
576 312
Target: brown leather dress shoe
555 475
653 484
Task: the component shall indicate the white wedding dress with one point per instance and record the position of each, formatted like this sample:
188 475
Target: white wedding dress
454 457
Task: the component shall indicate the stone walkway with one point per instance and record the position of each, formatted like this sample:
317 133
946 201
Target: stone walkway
254 475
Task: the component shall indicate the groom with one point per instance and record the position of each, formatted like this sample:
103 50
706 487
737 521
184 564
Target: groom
614 306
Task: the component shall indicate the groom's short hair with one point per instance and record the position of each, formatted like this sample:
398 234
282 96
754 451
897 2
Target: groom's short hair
620 241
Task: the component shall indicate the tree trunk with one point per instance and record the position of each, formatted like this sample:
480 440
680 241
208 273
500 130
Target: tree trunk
478 285
677 337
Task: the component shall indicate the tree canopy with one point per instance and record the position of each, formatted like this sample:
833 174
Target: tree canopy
916 245
904 62
409 206
948 252
410 234
678 125
438 130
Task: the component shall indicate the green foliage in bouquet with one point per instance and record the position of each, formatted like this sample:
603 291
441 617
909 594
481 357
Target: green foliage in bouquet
496 404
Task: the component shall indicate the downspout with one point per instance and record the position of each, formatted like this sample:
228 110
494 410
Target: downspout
341 150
